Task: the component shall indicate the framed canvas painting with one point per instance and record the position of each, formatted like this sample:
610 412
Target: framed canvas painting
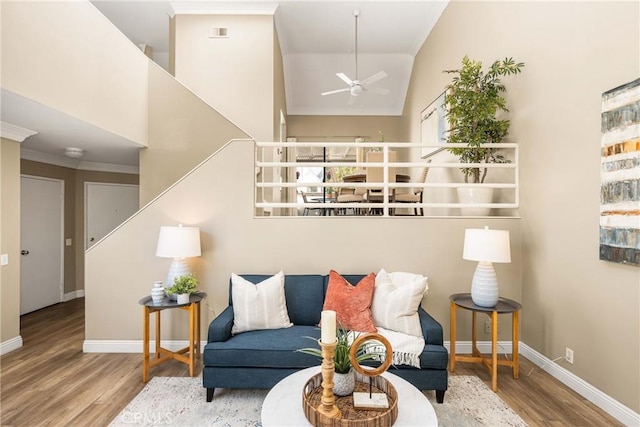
620 175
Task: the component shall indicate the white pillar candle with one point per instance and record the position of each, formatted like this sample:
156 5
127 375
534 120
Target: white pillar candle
328 320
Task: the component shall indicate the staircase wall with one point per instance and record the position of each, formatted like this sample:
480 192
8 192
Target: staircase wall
68 56
183 130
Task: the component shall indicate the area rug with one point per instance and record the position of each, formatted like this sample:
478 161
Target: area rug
178 401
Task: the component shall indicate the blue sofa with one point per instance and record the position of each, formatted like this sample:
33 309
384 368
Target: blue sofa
260 359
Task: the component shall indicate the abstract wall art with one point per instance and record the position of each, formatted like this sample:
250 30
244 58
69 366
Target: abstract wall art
620 175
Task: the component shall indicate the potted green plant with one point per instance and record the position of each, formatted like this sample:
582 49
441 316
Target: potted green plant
344 379
183 286
474 103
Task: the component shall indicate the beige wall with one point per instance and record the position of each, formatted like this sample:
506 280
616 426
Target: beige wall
279 98
183 131
10 239
345 128
234 241
235 75
49 65
74 181
573 52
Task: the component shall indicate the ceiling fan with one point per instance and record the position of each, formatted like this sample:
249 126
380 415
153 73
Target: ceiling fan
356 86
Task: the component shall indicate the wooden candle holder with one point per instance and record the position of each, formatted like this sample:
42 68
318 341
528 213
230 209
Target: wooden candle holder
327 406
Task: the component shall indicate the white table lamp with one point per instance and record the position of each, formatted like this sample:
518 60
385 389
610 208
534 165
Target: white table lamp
486 246
178 243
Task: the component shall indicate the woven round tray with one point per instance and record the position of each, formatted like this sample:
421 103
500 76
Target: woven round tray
312 394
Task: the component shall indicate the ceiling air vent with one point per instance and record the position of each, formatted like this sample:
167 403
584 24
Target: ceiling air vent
218 32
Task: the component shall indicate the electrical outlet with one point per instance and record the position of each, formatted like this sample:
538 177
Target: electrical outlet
568 355
487 327
4 259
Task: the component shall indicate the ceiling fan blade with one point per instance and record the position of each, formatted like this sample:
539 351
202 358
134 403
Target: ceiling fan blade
378 90
374 78
331 92
345 79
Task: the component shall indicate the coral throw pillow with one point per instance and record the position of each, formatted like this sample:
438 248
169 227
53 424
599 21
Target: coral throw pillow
396 300
352 304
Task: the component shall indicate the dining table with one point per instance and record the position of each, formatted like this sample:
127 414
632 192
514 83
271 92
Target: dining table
362 177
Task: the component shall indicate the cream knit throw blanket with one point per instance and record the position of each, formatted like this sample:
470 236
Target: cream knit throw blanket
406 348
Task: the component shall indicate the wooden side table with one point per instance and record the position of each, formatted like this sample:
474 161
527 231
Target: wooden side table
504 305
162 354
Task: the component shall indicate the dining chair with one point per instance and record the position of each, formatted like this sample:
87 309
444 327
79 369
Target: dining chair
306 210
375 174
350 195
416 196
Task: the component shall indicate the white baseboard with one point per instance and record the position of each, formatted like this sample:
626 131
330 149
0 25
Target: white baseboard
602 400
10 345
73 295
132 346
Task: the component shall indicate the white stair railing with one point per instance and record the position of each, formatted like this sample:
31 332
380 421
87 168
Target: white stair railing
387 205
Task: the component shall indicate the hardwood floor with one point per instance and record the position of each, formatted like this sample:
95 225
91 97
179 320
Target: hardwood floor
50 381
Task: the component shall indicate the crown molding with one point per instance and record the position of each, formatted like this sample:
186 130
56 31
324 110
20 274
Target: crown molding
223 8
108 167
50 159
15 133
65 162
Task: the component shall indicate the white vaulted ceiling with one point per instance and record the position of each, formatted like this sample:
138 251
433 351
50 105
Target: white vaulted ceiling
317 39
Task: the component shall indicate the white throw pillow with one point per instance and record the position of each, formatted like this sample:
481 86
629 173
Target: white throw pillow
259 306
396 300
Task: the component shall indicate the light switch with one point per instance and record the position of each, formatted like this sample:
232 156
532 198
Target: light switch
4 259
67 242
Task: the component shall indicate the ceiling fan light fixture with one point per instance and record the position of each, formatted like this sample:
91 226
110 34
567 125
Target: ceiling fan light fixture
73 152
356 90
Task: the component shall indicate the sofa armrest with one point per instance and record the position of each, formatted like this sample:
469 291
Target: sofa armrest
220 327
431 329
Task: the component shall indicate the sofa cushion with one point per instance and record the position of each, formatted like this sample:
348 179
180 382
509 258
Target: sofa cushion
396 299
352 304
305 296
260 305
273 348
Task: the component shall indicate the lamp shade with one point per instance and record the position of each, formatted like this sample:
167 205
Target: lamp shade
178 242
486 245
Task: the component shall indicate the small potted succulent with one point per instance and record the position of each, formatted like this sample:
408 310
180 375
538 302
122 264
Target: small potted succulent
182 287
344 379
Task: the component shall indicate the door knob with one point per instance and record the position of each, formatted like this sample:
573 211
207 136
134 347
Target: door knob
23 252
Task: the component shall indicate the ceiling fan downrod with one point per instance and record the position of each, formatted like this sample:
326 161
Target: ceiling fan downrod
356 13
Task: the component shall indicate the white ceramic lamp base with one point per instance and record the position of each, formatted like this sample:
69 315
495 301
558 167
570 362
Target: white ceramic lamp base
484 287
179 267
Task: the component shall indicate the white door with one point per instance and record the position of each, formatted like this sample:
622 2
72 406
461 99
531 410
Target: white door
41 240
106 207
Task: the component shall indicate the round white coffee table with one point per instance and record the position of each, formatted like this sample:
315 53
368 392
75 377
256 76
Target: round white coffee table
283 404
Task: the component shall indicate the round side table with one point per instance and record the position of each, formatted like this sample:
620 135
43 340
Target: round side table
163 354
504 305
